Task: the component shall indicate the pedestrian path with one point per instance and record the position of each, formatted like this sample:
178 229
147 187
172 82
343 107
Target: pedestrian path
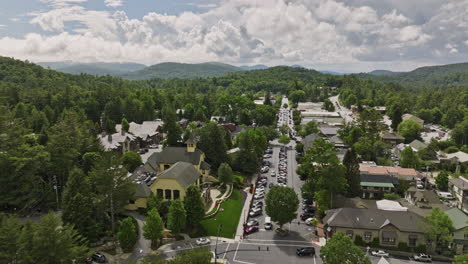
214 193
244 215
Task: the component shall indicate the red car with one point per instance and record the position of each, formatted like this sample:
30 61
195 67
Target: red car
251 229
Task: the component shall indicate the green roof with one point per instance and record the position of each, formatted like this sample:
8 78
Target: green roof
459 218
377 184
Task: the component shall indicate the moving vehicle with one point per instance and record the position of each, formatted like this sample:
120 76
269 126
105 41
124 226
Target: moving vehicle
251 229
379 253
422 257
268 225
305 251
202 241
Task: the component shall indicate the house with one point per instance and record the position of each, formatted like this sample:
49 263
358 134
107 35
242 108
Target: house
119 142
459 189
392 138
376 185
147 133
417 145
172 183
218 119
161 161
140 198
406 174
338 142
459 157
308 141
460 235
412 117
389 228
329 131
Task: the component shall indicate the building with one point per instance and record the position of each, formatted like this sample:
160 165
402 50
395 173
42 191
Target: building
392 138
147 133
308 141
172 183
329 131
119 142
406 174
459 189
389 228
460 235
459 157
161 161
412 117
417 145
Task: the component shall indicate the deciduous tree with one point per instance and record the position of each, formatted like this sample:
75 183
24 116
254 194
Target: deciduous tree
439 228
194 206
153 228
128 234
225 173
281 204
177 216
340 249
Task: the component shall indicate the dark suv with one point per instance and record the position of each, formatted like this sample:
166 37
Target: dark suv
307 251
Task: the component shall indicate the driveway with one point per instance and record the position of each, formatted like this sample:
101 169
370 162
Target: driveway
143 245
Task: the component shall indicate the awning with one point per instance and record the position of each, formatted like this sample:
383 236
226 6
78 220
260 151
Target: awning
377 184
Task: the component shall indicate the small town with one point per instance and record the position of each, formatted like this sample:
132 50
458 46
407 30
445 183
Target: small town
233 132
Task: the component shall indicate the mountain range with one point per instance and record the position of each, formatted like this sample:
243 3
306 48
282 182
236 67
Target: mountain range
434 75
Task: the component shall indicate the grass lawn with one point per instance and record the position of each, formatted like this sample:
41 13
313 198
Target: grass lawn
229 217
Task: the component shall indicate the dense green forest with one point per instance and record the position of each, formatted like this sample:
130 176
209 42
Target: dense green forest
431 76
97 68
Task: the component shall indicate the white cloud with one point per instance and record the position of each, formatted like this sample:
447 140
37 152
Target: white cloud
306 32
113 3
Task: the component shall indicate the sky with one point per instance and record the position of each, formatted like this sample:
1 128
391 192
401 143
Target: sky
333 35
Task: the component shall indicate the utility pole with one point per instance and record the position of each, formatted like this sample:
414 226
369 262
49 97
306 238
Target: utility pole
216 246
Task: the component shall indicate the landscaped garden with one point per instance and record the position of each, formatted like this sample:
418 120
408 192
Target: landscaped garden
228 217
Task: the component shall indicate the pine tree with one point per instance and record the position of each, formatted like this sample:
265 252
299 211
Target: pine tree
170 127
128 234
194 206
153 228
177 216
125 126
353 176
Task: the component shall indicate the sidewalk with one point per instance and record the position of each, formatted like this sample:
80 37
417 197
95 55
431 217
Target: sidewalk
215 194
244 215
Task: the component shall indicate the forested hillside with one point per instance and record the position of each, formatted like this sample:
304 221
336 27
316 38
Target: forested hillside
431 76
99 68
169 70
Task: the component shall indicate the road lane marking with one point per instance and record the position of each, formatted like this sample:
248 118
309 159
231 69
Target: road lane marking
276 245
279 240
225 251
314 260
235 254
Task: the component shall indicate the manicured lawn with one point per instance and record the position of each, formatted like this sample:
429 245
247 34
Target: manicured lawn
229 217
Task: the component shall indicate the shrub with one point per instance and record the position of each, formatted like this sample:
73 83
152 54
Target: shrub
420 249
403 246
128 234
391 196
451 149
375 242
358 241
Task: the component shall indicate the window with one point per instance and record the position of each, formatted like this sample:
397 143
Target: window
466 236
159 193
364 187
368 236
412 240
167 194
132 201
166 167
388 237
176 194
350 233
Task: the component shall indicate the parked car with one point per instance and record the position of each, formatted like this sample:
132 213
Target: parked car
251 229
98 258
379 253
202 241
266 156
255 212
306 251
273 174
252 222
259 196
257 203
271 185
422 258
306 216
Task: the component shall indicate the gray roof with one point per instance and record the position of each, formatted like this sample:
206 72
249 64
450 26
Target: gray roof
460 182
329 130
392 136
418 145
172 155
379 178
375 219
308 141
183 172
142 191
192 139
204 165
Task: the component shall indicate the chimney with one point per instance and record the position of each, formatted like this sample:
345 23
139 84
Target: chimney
109 138
122 132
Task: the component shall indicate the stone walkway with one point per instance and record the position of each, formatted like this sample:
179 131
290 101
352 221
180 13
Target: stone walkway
214 193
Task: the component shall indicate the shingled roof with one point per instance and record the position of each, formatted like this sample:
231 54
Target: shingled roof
374 219
142 191
183 172
172 155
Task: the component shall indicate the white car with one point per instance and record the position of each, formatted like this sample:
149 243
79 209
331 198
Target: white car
202 241
423 258
379 253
